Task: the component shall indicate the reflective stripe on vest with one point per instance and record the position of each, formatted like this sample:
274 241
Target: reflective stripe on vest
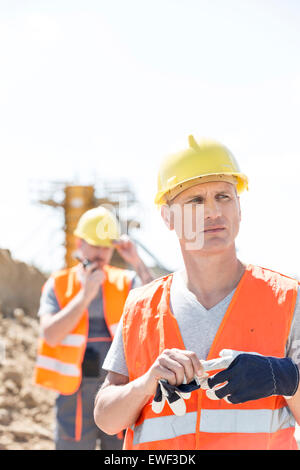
258 319
73 340
213 421
59 367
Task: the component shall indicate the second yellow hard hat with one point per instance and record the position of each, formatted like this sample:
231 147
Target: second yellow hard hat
204 161
98 227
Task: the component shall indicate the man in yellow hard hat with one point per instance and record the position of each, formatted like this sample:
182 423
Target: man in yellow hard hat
79 311
206 357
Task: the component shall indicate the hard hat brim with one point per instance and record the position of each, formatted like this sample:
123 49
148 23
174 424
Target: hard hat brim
164 197
90 241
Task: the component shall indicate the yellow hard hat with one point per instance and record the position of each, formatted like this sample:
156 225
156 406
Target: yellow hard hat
204 161
98 227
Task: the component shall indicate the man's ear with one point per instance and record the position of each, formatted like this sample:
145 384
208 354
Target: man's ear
166 214
79 242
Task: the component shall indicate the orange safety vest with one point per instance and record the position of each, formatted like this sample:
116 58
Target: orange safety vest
59 367
258 319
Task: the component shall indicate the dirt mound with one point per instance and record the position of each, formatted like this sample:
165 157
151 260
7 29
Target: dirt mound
20 285
26 410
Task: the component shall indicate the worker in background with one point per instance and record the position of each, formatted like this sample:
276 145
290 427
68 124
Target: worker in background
217 307
79 311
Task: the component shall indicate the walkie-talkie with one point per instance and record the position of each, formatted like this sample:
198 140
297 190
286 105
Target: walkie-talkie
85 263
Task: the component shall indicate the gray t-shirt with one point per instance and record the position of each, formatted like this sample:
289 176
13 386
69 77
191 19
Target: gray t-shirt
198 326
97 324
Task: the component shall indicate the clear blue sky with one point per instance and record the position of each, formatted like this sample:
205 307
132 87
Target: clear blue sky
103 89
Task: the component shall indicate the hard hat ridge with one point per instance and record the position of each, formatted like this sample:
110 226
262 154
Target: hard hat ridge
192 143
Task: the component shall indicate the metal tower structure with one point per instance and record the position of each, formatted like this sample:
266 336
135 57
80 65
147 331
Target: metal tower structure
75 199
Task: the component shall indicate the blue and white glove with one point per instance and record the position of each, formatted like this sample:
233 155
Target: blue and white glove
175 395
251 376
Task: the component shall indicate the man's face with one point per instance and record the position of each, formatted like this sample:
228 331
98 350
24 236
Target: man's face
99 254
212 211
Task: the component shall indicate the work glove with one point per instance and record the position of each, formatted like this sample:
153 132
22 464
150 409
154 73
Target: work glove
251 376
175 395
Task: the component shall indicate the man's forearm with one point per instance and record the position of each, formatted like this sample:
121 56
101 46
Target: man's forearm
294 405
143 272
58 326
117 407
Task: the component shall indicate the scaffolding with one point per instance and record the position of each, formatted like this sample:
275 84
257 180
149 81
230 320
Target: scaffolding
75 199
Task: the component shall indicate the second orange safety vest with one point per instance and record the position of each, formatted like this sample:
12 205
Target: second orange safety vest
258 319
59 367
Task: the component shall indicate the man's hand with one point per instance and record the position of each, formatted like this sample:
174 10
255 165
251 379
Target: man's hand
92 278
176 366
251 376
56 327
127 249
176 394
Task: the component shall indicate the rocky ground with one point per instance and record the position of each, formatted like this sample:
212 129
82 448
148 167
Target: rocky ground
26 410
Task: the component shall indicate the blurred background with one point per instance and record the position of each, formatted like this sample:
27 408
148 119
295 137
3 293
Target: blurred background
98 91
94 93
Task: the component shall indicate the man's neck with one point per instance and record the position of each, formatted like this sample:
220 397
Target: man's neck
212 278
